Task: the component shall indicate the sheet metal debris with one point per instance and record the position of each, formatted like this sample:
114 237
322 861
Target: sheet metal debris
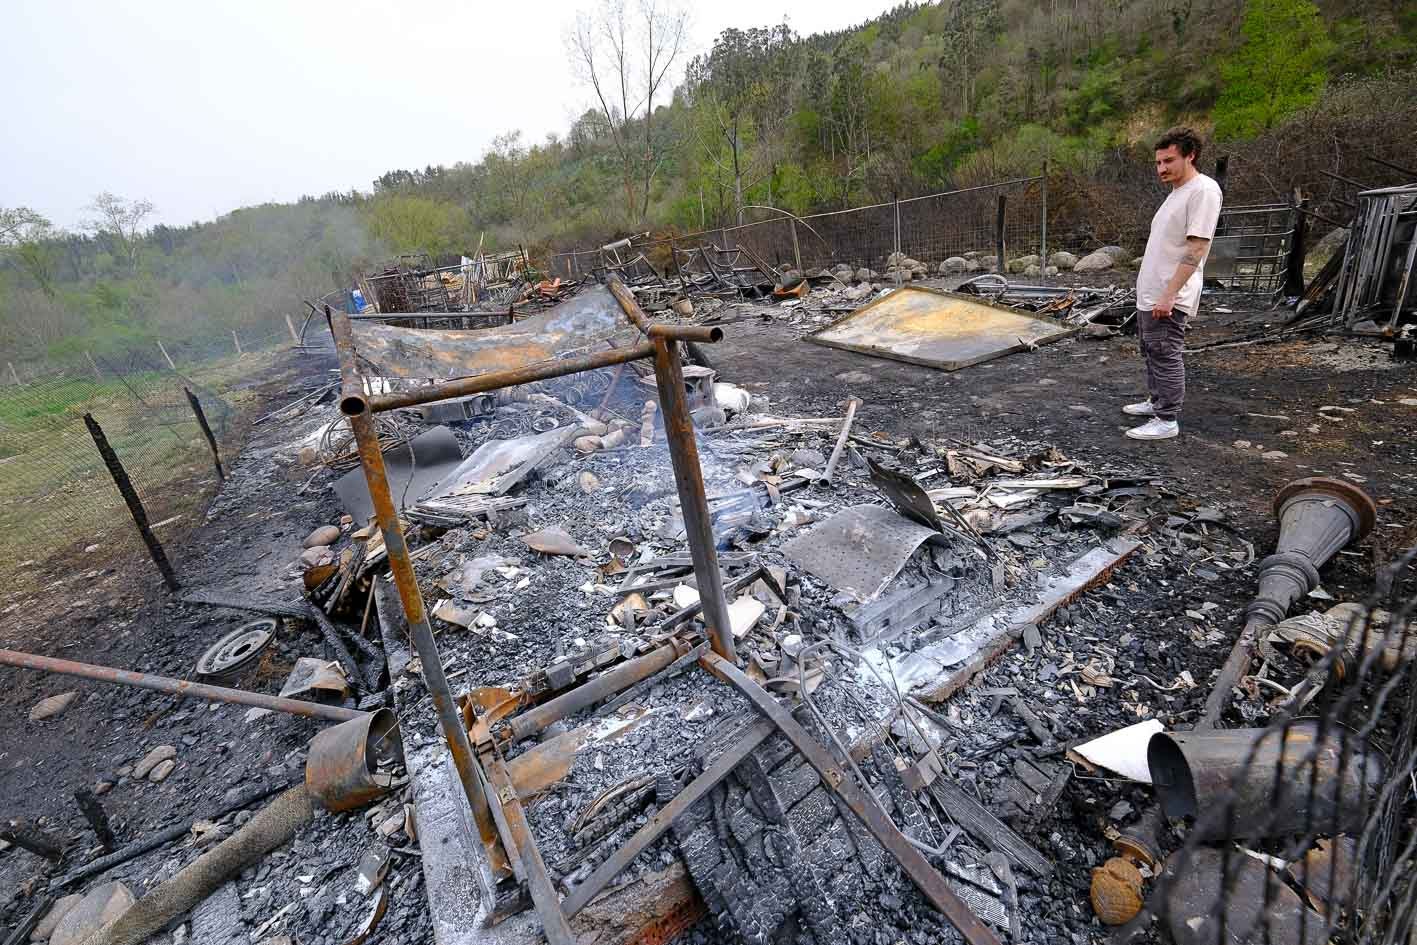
861 549
937 329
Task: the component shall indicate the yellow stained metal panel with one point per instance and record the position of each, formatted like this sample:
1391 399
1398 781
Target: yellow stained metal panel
938 329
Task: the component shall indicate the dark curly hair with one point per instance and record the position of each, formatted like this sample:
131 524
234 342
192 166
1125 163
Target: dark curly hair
1185 140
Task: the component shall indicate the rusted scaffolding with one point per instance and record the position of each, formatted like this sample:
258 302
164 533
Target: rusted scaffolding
481 733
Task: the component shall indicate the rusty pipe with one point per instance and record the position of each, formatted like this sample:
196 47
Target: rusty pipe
178 687
587 694
1273 781
371 458
353 399
693 503
687 333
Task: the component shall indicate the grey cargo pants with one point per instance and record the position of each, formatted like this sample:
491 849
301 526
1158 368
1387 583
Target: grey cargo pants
1163 344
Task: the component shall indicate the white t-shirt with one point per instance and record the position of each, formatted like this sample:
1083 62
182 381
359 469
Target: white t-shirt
1189 210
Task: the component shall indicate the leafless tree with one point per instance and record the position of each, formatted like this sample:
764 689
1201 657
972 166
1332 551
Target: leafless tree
624 55
121 221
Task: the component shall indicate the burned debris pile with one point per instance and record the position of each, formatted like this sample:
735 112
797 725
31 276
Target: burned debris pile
608 647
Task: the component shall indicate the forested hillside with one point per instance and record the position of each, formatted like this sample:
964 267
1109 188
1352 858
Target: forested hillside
927 97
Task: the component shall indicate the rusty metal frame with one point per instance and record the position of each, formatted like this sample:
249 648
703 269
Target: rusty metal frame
484 780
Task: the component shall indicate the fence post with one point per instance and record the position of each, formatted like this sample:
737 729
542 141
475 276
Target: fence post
206 431
1043 237
896 241
15 374
166 356
796 251
294 336
237 341
1294 266
999 232
135 505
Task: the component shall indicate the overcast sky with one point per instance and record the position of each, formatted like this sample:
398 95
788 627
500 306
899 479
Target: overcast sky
203 107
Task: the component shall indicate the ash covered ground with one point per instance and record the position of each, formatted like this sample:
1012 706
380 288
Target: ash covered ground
1142 645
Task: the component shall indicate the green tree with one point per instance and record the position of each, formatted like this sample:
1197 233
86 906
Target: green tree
1278 69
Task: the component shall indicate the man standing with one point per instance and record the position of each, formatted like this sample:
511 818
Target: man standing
1169 283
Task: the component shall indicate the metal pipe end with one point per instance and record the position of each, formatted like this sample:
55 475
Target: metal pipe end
352 405
1171 776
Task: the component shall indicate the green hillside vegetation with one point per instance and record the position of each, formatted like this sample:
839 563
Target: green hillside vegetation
927 97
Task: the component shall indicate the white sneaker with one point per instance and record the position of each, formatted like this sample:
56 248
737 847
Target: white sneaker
1155 429
1144 409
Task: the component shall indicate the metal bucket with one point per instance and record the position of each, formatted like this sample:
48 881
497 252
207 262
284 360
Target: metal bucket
1278 784
342 771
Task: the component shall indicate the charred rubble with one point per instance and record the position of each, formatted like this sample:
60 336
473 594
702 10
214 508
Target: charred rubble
609 649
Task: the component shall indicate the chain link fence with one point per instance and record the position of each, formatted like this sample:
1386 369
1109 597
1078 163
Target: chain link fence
57 496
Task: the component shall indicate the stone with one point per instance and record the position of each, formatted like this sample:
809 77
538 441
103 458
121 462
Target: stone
90 549
316 556
1136 263
1033 272
971 265
808 458
1095 262
587 444
866 275
1094 330
161 770
308 456
855 377
51 706
152 759
954 264
588 481
858 292
1327 246
1241 444
988 263
1022 263
1117 253
1274 454
323 536
53 917
101 906
1051 270
1063 260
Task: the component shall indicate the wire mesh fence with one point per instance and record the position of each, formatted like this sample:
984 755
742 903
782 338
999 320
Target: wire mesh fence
56 494
1305 828
929 229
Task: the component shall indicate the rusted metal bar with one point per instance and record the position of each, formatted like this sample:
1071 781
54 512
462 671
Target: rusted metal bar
353 399
371 458
652 330
840 441
655 827
543 894
135 504
177 687
206 427
693 505
926 878
604 686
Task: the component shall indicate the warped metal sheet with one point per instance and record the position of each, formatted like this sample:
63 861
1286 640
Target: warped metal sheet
587 319
434 454
860 549
937 329
497 465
